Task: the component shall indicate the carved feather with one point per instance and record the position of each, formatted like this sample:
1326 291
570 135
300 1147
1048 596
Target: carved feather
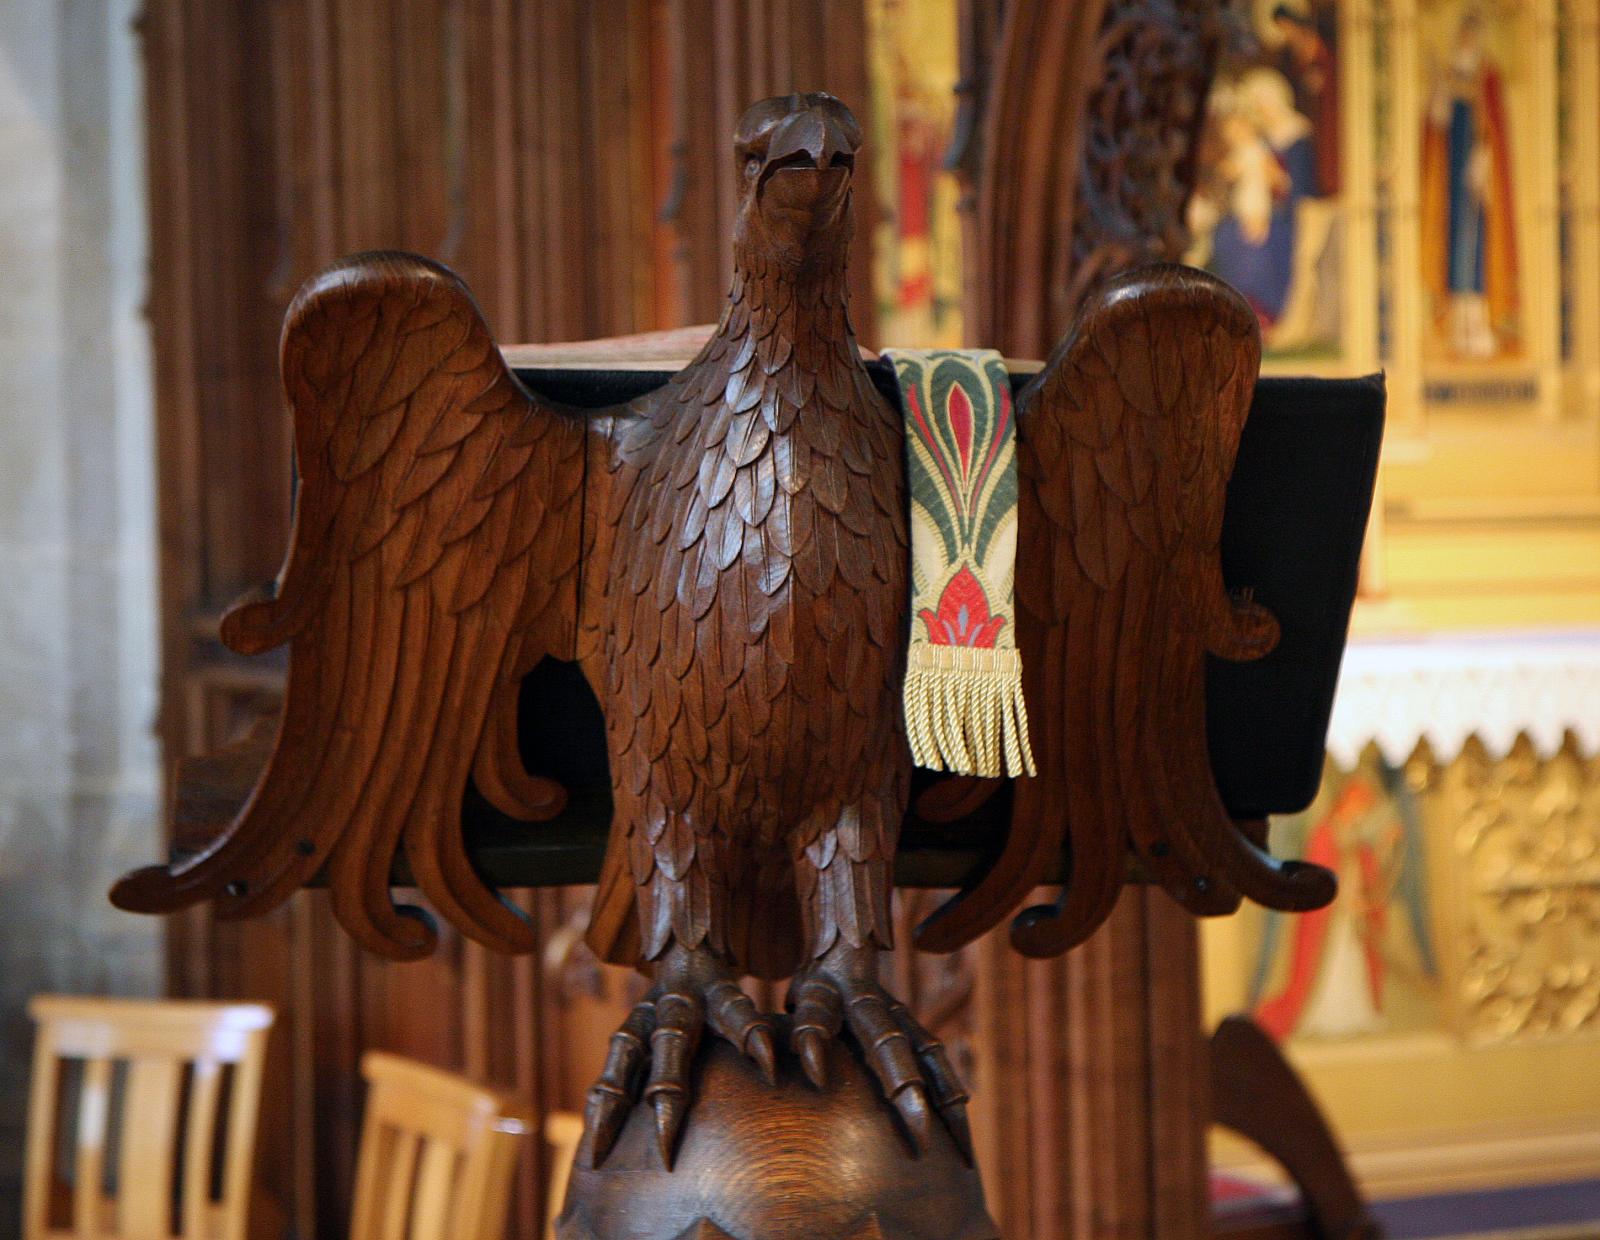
767 482
1126 442
434 560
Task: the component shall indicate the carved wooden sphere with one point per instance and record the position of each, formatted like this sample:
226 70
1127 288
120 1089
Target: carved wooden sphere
790 1162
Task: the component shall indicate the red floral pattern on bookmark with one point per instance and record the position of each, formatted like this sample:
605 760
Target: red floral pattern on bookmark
963 617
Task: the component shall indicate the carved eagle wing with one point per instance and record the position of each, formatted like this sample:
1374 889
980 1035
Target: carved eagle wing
434 561
1127 439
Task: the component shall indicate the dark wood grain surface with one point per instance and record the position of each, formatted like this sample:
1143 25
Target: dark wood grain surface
783 1162
1256 1092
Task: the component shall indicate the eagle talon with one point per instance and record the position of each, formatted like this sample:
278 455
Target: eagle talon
693 990
840 991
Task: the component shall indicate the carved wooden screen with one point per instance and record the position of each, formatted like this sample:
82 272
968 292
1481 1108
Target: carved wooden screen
1090 1069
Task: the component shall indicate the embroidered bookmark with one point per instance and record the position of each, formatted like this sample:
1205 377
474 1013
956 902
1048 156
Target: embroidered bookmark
963 694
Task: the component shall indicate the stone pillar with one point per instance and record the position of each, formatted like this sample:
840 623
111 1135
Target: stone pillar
78 770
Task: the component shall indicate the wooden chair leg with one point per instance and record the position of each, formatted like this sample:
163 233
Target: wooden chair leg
1257 1093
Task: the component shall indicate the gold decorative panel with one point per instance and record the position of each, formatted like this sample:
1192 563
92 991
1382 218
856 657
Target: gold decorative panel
1446 1009
1525 845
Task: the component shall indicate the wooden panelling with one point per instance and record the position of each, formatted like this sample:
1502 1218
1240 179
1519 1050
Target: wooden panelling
1090 1083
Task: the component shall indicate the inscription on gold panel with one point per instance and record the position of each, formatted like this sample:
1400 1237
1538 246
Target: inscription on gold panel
1526 850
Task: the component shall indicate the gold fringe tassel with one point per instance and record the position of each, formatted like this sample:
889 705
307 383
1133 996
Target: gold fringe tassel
964 710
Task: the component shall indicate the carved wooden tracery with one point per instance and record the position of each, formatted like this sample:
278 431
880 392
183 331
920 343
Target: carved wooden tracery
1133 1066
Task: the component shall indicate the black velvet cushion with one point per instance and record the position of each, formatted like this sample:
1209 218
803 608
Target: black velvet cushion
1297 514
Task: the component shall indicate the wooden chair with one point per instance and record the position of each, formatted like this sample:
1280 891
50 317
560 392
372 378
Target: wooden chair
437 1153
142 1118
1256 1092
563 1130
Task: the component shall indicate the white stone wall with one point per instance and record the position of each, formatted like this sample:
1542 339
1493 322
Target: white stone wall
79 775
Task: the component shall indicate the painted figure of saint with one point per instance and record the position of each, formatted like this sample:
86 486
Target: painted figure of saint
1338 971
1268 166
1469 245
1266 212
1306 58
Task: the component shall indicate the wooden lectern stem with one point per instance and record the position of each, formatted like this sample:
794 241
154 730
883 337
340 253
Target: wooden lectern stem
1091 1081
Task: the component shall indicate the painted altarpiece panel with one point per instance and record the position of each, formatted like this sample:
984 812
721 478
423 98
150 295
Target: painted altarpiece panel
1284 206
1440 1008
1475 164
916 252
1368 963
1415 184
1489 167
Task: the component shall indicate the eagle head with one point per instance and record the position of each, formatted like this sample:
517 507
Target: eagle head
796 154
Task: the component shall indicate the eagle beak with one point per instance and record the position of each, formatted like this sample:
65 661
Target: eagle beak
806 178
810 139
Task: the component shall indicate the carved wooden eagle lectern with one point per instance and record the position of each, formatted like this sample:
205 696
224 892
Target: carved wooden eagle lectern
726 558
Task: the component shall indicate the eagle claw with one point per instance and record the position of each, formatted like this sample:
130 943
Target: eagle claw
692 989
840 991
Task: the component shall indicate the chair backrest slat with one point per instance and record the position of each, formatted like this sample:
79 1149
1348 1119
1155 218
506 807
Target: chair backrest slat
239 1152
149 1148
437 1155
402 1170
430 1208
154 1069
89 1150
562 1132
39 1157
199 1143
